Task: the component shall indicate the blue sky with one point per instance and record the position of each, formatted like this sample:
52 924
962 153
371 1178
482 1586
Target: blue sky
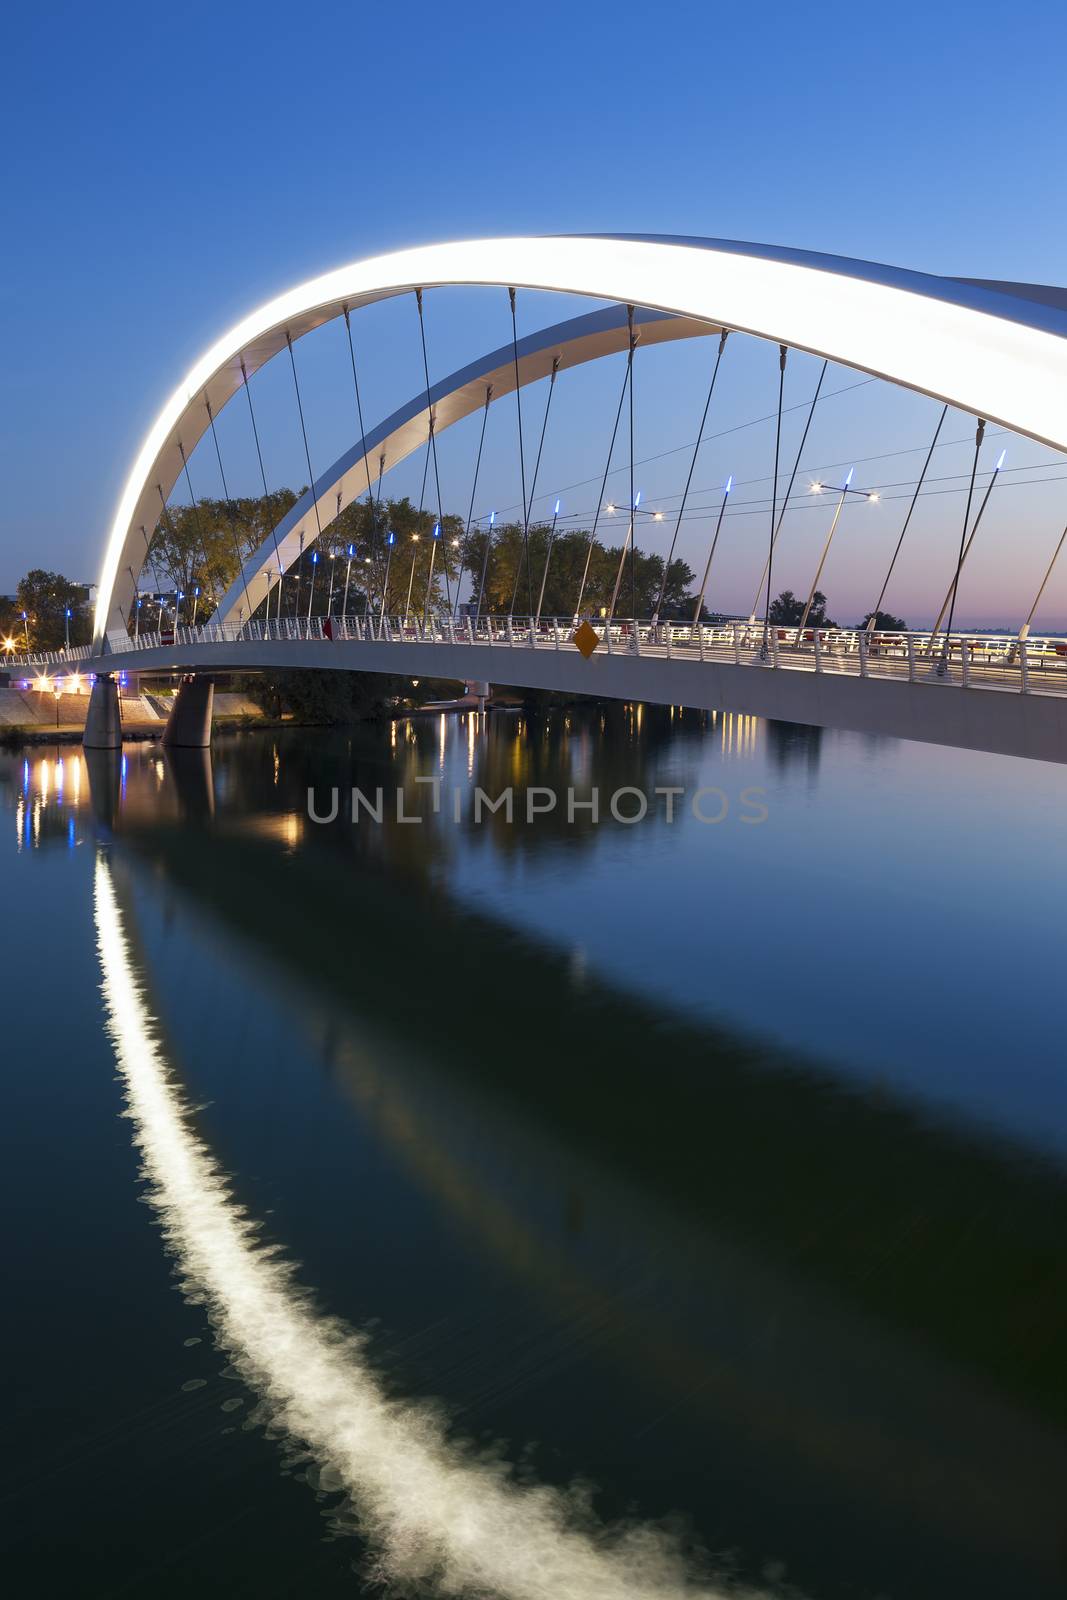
168 169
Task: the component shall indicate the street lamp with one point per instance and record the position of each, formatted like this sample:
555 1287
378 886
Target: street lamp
57 691
348 573
26 626
429 576
411 575
314 570
66 627
390 541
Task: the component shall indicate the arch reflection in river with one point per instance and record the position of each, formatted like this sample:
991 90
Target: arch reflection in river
432 1509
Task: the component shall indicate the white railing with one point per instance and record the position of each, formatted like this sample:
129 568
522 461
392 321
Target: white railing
970 660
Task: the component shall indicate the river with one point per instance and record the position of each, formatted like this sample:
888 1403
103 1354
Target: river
554 1207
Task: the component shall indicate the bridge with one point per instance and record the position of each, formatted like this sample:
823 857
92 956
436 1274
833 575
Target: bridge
995 351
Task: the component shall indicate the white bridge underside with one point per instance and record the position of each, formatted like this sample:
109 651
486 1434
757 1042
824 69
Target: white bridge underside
989 719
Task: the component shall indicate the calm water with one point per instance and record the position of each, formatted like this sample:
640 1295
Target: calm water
542 1210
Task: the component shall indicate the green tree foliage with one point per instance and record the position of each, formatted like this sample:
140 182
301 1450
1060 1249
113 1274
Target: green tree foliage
409 562
205 544
514 583
885 622
787 610
46 597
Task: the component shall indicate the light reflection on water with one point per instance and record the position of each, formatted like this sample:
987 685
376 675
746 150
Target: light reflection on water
432 1509
795 1293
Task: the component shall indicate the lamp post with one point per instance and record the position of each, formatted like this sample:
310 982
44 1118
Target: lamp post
57 692
348 574
429 576
485 564
390 541
26 626
333 569
711 554
314 571
137 620
196 601
846 489
66 627
411 575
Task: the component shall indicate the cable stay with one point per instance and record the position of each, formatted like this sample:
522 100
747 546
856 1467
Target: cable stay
474 490
311 476
522 457
723 336
373 543
548 558
433 447
711 553
843 496
1024 631
789 489
607 465
630 542
537 468
950 598
378 496
978 437
266 495
782 353
230 511
197 514
914 501
415 536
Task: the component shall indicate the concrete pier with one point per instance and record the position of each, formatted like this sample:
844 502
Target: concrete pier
103 724
189 723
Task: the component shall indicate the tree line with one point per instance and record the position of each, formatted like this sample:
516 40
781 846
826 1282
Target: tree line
376 550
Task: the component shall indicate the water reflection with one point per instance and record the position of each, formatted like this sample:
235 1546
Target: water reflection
433 1508
825 1323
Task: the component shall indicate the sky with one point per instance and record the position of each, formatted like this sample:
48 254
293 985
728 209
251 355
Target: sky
166 171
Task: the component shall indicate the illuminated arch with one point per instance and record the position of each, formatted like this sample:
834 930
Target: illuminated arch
998 350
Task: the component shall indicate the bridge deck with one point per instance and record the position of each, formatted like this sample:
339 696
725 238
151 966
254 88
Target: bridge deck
988 692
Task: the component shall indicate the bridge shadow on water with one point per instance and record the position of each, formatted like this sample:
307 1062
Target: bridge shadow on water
826 1326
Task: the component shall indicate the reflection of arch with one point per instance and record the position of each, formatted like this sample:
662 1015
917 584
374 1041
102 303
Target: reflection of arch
587 338
428 1506
998 350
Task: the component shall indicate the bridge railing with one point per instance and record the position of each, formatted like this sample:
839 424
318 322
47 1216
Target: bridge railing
1036 665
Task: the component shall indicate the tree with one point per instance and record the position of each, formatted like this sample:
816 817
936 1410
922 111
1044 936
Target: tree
885 622
787 610
508 585
203 546
46 597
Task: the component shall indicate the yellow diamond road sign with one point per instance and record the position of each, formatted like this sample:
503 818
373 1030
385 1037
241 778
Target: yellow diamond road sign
586 638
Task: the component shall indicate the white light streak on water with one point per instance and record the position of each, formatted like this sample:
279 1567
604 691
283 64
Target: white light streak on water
435 1512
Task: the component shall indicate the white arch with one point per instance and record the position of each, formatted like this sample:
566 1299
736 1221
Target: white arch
997 350
587 338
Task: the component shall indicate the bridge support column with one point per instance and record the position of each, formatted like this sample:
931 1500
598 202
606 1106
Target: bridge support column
103 724
189 723
479 687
